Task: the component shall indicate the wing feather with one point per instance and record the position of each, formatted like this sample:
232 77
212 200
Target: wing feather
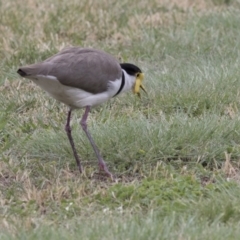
83 68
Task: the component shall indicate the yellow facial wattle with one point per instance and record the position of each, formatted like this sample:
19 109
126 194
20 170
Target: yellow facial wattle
138 84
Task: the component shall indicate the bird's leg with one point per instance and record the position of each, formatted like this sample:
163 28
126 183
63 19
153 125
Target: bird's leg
68 131
101 163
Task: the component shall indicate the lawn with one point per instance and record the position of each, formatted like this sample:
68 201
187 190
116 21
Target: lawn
174 153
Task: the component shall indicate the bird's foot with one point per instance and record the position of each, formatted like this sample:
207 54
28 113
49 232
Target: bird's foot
103 167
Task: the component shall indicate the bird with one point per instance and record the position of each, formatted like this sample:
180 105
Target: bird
84 78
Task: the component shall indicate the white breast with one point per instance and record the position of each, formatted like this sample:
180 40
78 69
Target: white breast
74 97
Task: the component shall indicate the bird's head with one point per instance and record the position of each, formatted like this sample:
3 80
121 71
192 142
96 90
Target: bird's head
135 71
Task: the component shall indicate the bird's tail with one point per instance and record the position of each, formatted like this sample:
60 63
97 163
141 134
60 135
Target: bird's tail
21 73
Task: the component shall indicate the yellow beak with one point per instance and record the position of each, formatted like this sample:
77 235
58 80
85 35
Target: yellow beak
138 84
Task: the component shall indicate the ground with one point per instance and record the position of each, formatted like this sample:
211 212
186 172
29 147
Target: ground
174 152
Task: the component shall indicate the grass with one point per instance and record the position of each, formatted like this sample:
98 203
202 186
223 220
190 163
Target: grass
175 152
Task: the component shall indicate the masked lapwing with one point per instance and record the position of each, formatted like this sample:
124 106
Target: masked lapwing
83 78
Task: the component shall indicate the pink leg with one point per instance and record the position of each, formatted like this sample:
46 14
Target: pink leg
101 163
68 131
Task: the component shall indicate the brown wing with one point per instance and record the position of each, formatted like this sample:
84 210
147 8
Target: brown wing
84 68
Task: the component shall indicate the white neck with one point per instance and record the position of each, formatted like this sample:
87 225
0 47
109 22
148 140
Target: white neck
129 81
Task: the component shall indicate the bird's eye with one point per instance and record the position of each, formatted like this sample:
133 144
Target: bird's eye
137 75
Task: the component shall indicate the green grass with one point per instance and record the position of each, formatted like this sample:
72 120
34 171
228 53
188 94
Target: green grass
175 152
